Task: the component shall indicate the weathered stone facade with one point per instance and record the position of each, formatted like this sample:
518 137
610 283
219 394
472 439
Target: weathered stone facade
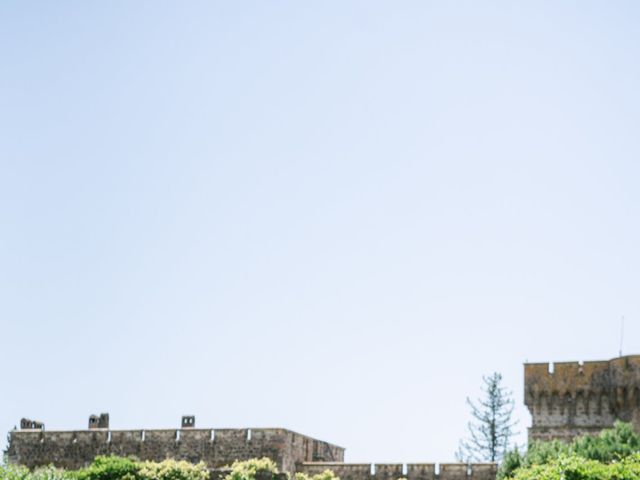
410 471
292 452
216 447
565 400
575 398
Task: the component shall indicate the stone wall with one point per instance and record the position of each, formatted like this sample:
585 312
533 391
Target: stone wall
574 398
410 471
291 451
219 447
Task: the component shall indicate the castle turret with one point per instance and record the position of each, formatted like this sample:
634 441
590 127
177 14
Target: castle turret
569 399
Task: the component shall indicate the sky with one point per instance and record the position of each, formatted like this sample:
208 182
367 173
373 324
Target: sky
333 217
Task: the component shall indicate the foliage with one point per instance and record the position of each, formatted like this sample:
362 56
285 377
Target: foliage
173 470
109 468
50 473
13 472
610 445
511 461
492 428
575 467
326 475
538 453
16 472
247 469
119 468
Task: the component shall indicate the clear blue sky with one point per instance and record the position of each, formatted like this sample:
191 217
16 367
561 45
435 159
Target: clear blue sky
331 216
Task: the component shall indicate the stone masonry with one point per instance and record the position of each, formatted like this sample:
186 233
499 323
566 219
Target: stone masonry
33 446
575 398
565 400
216 447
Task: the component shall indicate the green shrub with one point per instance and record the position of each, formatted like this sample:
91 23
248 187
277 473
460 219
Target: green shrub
575 467
326 475
247 469
16 472
13 472
50 473
610 445
511 461
538 453
109 468
173 470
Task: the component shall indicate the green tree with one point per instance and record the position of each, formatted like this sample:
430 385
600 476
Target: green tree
575 467
491 428
609 446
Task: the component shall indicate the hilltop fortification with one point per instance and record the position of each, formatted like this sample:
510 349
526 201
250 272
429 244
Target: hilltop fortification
565 400
34 446
569 399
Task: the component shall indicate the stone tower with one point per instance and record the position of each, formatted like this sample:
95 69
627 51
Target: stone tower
574 398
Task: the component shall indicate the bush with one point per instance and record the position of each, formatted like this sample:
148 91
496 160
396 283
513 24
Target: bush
109 468
575 467
16 472
610 445
511 461
173 470
50 473
247 469
326 475
13 472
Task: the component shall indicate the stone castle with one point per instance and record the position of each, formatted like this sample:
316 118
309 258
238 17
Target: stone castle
32 446
569 399
565 400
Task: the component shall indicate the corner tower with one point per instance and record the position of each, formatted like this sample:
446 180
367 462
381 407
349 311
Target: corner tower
569 399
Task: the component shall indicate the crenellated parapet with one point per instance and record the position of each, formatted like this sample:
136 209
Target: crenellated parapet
216 447
408 471
568 399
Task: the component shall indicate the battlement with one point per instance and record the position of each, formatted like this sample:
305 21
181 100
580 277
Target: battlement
567 399
216 447
410 471
291 451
